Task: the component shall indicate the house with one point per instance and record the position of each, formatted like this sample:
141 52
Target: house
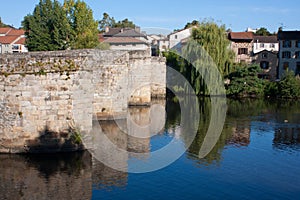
268 43
12 40
242 45
289 52
127 43
268 62
159 43
110 32
126 39
176 38
163 44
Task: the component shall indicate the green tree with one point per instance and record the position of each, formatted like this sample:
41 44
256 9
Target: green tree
213 39
106 21
2 25
191 24
85 28
52 26
47 29
207 49
263 32
124 24
289 86
244 82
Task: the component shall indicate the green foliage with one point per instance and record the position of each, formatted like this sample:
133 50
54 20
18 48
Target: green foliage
244 82
75 136
263 32
103 46
289 86
213 39
207 49
191 24
84 26
2 25
52 26
47 29
124 24
106 21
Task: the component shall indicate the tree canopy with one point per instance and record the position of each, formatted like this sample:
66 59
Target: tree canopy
263 32
108 21
52 26
206 49
191 24
2 25
213 39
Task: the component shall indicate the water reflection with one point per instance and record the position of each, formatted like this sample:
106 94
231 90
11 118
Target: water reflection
74 176
66 176
281 117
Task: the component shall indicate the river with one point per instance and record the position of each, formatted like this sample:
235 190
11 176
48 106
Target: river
257 156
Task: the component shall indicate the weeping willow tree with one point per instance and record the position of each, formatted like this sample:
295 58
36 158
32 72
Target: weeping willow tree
213 39
206 50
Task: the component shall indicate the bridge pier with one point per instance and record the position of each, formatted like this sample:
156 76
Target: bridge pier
48 98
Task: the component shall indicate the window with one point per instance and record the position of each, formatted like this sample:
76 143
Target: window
176 37
298 69
243 51
298 43
15 47
264 55
287 44
286 54
272 45
297 55
262 45
285 65
264 65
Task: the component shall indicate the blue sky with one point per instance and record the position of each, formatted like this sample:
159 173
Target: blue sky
174 14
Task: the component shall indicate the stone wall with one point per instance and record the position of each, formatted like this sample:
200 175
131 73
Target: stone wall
48 98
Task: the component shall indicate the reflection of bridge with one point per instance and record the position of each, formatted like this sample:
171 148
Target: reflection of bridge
115 142
55 92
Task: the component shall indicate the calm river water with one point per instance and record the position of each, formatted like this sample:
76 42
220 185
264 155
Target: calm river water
256 157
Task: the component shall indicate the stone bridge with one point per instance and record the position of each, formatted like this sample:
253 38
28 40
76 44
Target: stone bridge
48 100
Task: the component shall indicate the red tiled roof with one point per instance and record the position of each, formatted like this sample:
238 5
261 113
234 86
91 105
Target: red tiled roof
8 39
4 30
21 41
18 32
241 36
124 40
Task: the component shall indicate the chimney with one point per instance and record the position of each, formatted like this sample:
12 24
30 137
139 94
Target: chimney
138 29
106 29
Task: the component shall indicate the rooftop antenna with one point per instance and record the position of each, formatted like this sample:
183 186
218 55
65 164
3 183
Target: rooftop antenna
282 26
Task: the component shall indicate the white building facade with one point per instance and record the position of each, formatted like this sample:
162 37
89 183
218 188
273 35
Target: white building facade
176 38
261 43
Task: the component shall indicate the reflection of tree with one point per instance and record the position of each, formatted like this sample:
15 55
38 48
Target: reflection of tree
105 177
236 130
215 153
63 176
287 132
